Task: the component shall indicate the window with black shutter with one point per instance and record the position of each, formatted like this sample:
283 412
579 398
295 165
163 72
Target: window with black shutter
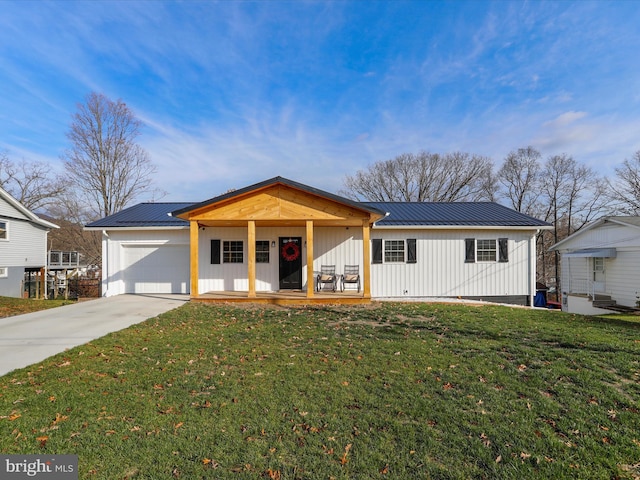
215 252
470 250
376 250
503 250
411 251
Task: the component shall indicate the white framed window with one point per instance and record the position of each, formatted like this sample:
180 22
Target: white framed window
486 250
393 251
598 264
4 230
4 272
232 251
262 251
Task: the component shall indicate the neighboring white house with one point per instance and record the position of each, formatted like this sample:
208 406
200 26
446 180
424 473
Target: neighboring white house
600 266
275 236
23 244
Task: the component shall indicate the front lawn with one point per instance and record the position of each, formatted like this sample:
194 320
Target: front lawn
17 306
381 391
625 317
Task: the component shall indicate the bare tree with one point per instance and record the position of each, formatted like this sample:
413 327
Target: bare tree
571 192
624 191
33 184
70 215
520 179
424 177
574 196
108 168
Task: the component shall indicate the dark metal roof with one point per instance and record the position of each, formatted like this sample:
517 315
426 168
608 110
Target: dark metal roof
487 214
144 215
400 214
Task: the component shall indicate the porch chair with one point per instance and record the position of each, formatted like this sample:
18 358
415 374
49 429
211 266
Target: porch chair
351 275
327 275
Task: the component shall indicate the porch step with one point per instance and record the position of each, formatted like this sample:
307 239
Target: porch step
603 301
622 309
606 302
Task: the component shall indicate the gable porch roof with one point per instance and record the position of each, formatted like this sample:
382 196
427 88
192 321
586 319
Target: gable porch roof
282 201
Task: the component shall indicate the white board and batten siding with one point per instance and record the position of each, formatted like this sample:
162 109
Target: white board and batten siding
155 261
441 270
332 246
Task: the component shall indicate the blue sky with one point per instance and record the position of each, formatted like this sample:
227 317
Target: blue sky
233 93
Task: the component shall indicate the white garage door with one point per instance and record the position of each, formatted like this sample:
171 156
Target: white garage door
156 269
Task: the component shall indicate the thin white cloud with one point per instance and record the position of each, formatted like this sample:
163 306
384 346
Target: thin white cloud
565 119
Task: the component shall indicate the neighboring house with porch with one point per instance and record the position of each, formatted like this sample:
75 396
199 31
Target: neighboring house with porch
269 242
600 266
23 244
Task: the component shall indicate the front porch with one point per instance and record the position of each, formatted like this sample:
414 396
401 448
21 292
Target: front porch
284 297
266 244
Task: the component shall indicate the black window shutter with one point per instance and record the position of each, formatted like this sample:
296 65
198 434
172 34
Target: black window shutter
376 250
503 249
215 252
411 251
469 250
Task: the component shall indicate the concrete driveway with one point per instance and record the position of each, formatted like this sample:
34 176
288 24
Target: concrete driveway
30 338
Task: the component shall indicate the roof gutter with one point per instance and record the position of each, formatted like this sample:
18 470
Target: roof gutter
119 229
462 227
385 216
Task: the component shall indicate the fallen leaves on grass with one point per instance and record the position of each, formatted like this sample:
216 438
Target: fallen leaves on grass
272 474
344 459
524 455
60 418
210 463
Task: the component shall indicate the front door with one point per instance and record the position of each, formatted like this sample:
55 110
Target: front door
598 275
290 254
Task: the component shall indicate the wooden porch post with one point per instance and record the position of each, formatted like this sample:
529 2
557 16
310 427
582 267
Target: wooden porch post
251 264
193 255
310 279
366 259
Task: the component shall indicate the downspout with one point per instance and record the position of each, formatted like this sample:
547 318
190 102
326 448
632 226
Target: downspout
46 264
105 264
532 265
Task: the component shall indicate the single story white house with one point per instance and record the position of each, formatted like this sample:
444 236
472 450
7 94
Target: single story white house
274 238
23 244
600 266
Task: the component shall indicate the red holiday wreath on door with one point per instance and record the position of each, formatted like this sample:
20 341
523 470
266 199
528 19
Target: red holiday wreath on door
290 251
